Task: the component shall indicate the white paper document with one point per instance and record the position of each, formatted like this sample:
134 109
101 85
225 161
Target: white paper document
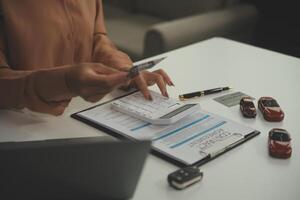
189 140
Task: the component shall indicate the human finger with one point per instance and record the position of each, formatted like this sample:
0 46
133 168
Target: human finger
159 80
141 84
120 61
165 76
109 80
103 69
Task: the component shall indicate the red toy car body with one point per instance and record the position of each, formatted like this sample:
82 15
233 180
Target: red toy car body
247 107
279 143
270 109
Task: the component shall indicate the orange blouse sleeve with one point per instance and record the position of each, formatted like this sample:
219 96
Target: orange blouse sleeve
99 20
41 90
101 40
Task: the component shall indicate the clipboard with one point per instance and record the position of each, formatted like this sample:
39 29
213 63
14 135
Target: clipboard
178 158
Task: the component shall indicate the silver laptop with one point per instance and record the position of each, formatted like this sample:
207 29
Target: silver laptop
78 168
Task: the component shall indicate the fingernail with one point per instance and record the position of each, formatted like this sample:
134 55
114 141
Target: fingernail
166 94
172 83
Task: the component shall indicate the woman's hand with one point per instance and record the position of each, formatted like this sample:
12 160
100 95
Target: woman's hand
145 79
92 81
109 55
118 60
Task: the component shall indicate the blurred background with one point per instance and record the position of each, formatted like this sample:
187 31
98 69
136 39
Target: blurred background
144 28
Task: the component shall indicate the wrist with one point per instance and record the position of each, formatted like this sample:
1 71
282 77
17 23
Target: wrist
51 84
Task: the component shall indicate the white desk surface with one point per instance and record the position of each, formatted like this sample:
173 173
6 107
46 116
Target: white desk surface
246 172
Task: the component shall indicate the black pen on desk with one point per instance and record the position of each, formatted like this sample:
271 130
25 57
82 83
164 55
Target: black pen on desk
202 93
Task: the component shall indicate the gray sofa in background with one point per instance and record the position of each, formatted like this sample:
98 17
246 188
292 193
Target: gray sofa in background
143 28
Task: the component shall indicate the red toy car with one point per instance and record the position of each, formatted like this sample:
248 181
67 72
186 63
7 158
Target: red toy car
270 109
279 143
247 107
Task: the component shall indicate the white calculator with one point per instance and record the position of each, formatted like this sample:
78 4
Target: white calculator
160 111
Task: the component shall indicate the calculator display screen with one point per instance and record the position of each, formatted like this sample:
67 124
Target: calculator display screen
177 111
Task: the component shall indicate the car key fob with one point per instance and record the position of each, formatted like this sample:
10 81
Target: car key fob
185 177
